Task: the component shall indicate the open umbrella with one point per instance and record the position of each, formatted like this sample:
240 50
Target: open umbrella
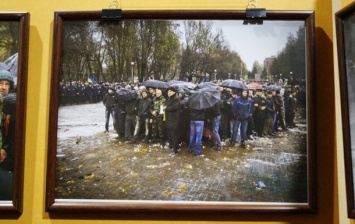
254 86
126 94
203 99
155 84
182 84
233 83
10 64
273 88
207 85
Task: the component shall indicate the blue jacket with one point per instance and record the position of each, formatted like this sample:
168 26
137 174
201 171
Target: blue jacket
242 108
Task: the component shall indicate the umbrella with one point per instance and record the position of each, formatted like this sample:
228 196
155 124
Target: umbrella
10 64
273 88
155 84
232 83
254 86
203 99
183 84
126 94
207 85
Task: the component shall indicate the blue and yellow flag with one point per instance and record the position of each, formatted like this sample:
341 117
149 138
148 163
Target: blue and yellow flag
91 79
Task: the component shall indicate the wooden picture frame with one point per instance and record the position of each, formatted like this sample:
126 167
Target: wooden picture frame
15 28
345 26
57 199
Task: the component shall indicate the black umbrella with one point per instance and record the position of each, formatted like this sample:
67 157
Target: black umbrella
207 85
155 84
181 84
233 83
203 99
10 64
273 88
126 94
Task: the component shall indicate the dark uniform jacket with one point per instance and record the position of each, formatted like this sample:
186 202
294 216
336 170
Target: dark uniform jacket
143 107
110 100
261 101
172 112
197 115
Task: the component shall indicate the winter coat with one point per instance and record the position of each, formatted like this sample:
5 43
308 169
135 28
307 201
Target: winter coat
242 108
130 107
143 107
278 103
270 107
290 104
197 115
215 110
261 101
183 102
110 100
156 103
172 112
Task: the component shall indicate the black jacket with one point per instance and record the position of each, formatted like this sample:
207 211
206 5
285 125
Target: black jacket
143 106
197 115
215 110
130 107
172 112
110 100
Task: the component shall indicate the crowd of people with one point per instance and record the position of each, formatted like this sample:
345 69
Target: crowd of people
7 133
160 116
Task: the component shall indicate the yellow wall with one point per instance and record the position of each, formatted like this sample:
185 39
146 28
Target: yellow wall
340 176
331 205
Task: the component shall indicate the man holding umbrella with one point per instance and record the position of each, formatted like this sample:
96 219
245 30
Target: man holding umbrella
197 103
172 119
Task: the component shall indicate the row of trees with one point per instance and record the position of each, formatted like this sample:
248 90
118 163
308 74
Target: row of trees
161 49
290 62
155 47
9 36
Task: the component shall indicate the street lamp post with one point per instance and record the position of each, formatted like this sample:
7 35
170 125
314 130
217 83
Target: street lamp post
132 72
215 74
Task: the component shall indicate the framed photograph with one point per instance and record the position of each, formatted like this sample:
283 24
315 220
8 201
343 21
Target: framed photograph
13 80
345 29
146 112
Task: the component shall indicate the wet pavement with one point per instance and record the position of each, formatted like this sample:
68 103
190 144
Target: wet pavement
92 164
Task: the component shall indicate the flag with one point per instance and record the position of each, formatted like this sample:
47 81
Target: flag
91 79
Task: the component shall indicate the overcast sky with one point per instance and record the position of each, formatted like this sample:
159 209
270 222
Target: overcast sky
256 42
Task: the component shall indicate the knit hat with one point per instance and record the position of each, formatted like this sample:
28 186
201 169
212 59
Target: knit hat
181 91
6 75
172 88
